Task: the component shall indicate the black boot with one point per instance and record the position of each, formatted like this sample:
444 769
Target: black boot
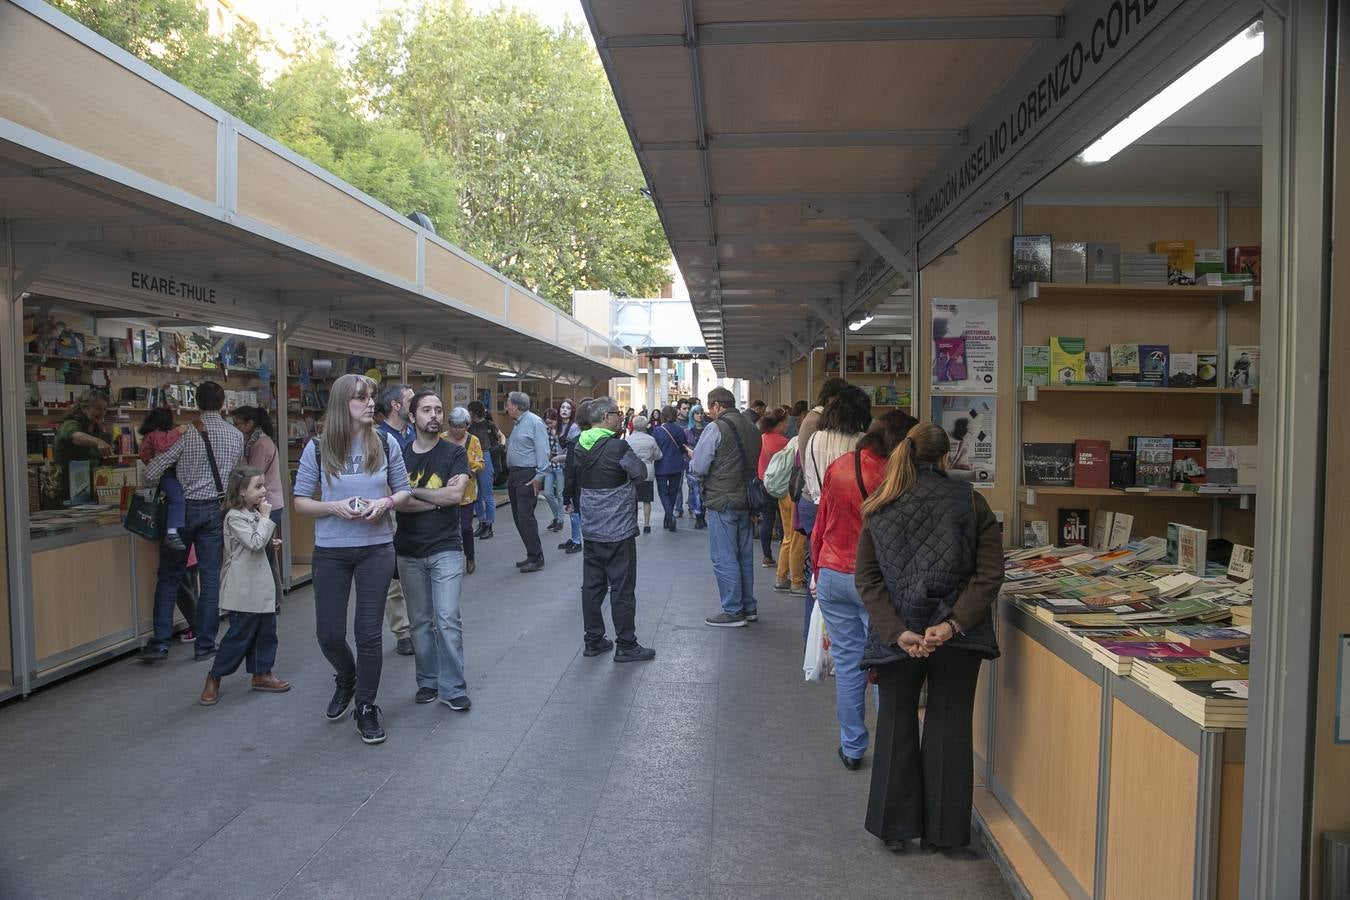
485 533
700 522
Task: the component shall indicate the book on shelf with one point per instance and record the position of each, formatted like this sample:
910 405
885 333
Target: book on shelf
1067 360
1206 369
1121 526
1102 523
1240 563
1191 668
1071 527
1152 461
1047 464
1221 464
1031 259
1096 367
1210 637
853 363
1192 546
1091 463
1212 704
1035 533
1143 268
883 359
1208 261
1242 655
1183 370
1180 257
1103 263
1189 458
1124 362
1244 366
1153 364
1069 262
1217 280
951 358
1035 365
832 361
1245 259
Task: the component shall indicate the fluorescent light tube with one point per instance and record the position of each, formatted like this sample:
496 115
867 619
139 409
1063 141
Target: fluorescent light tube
1204 75
507 374
855 326
242 332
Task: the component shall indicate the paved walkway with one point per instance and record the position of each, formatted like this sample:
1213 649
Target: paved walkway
708 773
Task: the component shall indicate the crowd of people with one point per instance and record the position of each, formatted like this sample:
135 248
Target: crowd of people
903 562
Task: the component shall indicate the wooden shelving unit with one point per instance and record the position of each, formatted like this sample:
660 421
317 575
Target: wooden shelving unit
1049 289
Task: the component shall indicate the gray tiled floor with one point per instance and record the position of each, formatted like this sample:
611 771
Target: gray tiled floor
708 773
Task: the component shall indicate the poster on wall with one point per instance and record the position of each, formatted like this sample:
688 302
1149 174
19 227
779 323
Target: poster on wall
460 394
969 423
965 346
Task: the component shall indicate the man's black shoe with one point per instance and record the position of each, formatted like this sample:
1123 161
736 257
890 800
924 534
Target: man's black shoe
700 523
425 695
575 548
635 653
404 647
199 655
646 529
524 562
460 703
849 762
597 649
532 566
478 532
751 615
152 654
338 705
487 533
367 716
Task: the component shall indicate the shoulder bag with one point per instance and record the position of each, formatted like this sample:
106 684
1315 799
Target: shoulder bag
756 498
211 461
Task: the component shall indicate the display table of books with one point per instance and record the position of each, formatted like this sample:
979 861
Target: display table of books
1113 724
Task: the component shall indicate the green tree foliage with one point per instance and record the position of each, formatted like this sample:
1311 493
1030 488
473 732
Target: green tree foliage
501 129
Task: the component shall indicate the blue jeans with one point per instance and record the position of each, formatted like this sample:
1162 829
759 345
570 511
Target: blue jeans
176 507
251 640
553 486
575 518
732 542
668 488
204 528
846 620
431 587
695 494
485 507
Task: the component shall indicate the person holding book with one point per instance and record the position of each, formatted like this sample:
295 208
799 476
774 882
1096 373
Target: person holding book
849 481
246 588
929 568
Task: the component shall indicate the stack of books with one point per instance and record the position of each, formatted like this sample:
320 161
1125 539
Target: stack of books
1143 268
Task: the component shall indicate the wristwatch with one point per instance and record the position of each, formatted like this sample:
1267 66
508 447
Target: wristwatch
956 629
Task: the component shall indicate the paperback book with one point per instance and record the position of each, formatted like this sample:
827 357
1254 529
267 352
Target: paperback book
1031 259
1047 465
1152 462
1153 364
1124 362
1189 458
1069 262
1072 527
1091 463
1208 261
1121 526
1035 533
1096 369
1035 365
1067 360
1245 259
1244 366
1221 464
1103 263
1183 370
1206 369
1180 260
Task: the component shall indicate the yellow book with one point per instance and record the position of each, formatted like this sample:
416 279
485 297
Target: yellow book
1067 360
1180 260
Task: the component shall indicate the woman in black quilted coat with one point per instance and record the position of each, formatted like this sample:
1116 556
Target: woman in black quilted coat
929 569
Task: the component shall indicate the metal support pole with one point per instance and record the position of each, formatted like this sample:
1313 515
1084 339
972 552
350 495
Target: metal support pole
665 382
283 426
14 445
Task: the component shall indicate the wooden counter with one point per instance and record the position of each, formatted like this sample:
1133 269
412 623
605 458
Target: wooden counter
1119 794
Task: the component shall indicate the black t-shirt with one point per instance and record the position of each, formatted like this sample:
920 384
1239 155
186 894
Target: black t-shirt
423 534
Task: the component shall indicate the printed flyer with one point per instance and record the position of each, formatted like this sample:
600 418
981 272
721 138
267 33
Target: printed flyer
975 324
969 423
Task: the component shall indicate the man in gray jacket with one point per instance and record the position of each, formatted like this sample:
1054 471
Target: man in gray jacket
601 472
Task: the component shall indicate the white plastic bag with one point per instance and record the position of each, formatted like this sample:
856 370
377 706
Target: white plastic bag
817 664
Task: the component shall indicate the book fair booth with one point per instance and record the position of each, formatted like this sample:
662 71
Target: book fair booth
149 242
1110 223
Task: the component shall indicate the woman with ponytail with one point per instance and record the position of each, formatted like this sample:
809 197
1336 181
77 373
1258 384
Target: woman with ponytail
929 568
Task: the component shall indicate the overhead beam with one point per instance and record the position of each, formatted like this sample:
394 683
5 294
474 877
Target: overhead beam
794 198
952 28
775 140
799 237
899 260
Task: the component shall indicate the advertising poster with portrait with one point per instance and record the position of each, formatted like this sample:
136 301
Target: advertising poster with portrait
965 346
969 423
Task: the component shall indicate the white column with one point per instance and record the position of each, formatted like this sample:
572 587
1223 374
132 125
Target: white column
665 383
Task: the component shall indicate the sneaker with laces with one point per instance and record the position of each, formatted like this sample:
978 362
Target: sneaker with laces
459 704
782 587
173 541
635 653
751 615
425 695
188 637
596 649
338 705
367 716
726 620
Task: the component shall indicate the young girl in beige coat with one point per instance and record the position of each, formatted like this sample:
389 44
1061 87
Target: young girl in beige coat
246 588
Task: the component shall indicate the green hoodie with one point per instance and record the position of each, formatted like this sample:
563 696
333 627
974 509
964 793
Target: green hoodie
591 436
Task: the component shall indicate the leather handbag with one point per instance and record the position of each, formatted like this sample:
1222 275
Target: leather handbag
756 498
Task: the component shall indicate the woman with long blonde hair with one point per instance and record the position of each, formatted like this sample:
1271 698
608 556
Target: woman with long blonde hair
360 478
929 569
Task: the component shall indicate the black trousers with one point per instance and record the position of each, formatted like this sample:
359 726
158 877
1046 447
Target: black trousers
251 640
924 790
668 488
523 500
768 518
609 567
335 568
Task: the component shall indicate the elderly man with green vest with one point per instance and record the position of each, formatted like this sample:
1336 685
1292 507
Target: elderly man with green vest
725 462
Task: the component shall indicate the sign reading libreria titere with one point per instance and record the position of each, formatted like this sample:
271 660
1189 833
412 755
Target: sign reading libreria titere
1092 45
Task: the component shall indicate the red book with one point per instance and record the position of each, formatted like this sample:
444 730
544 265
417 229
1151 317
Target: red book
1189 458
1244 259
1091 463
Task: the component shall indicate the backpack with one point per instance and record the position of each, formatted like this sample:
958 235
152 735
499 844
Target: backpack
779 470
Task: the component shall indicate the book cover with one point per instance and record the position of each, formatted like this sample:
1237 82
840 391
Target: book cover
1244 366
1206 368
1180 260
883 358
1209 637
1183 370
1208 261
1096 368
1091 463
79 478
869 360
1035 365
1247 459
1191 547
1031 258
1035 533
1069 262
1245 259
1068 362
1189 458
852 362
951 358
1221 464
1158 649
1240 563
1122 469
1047 465
1205 668
1227 691
1153 364
1124 362
832 361
1241 656
1102 523
1121 526
1071 527
1153 462
1103 265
